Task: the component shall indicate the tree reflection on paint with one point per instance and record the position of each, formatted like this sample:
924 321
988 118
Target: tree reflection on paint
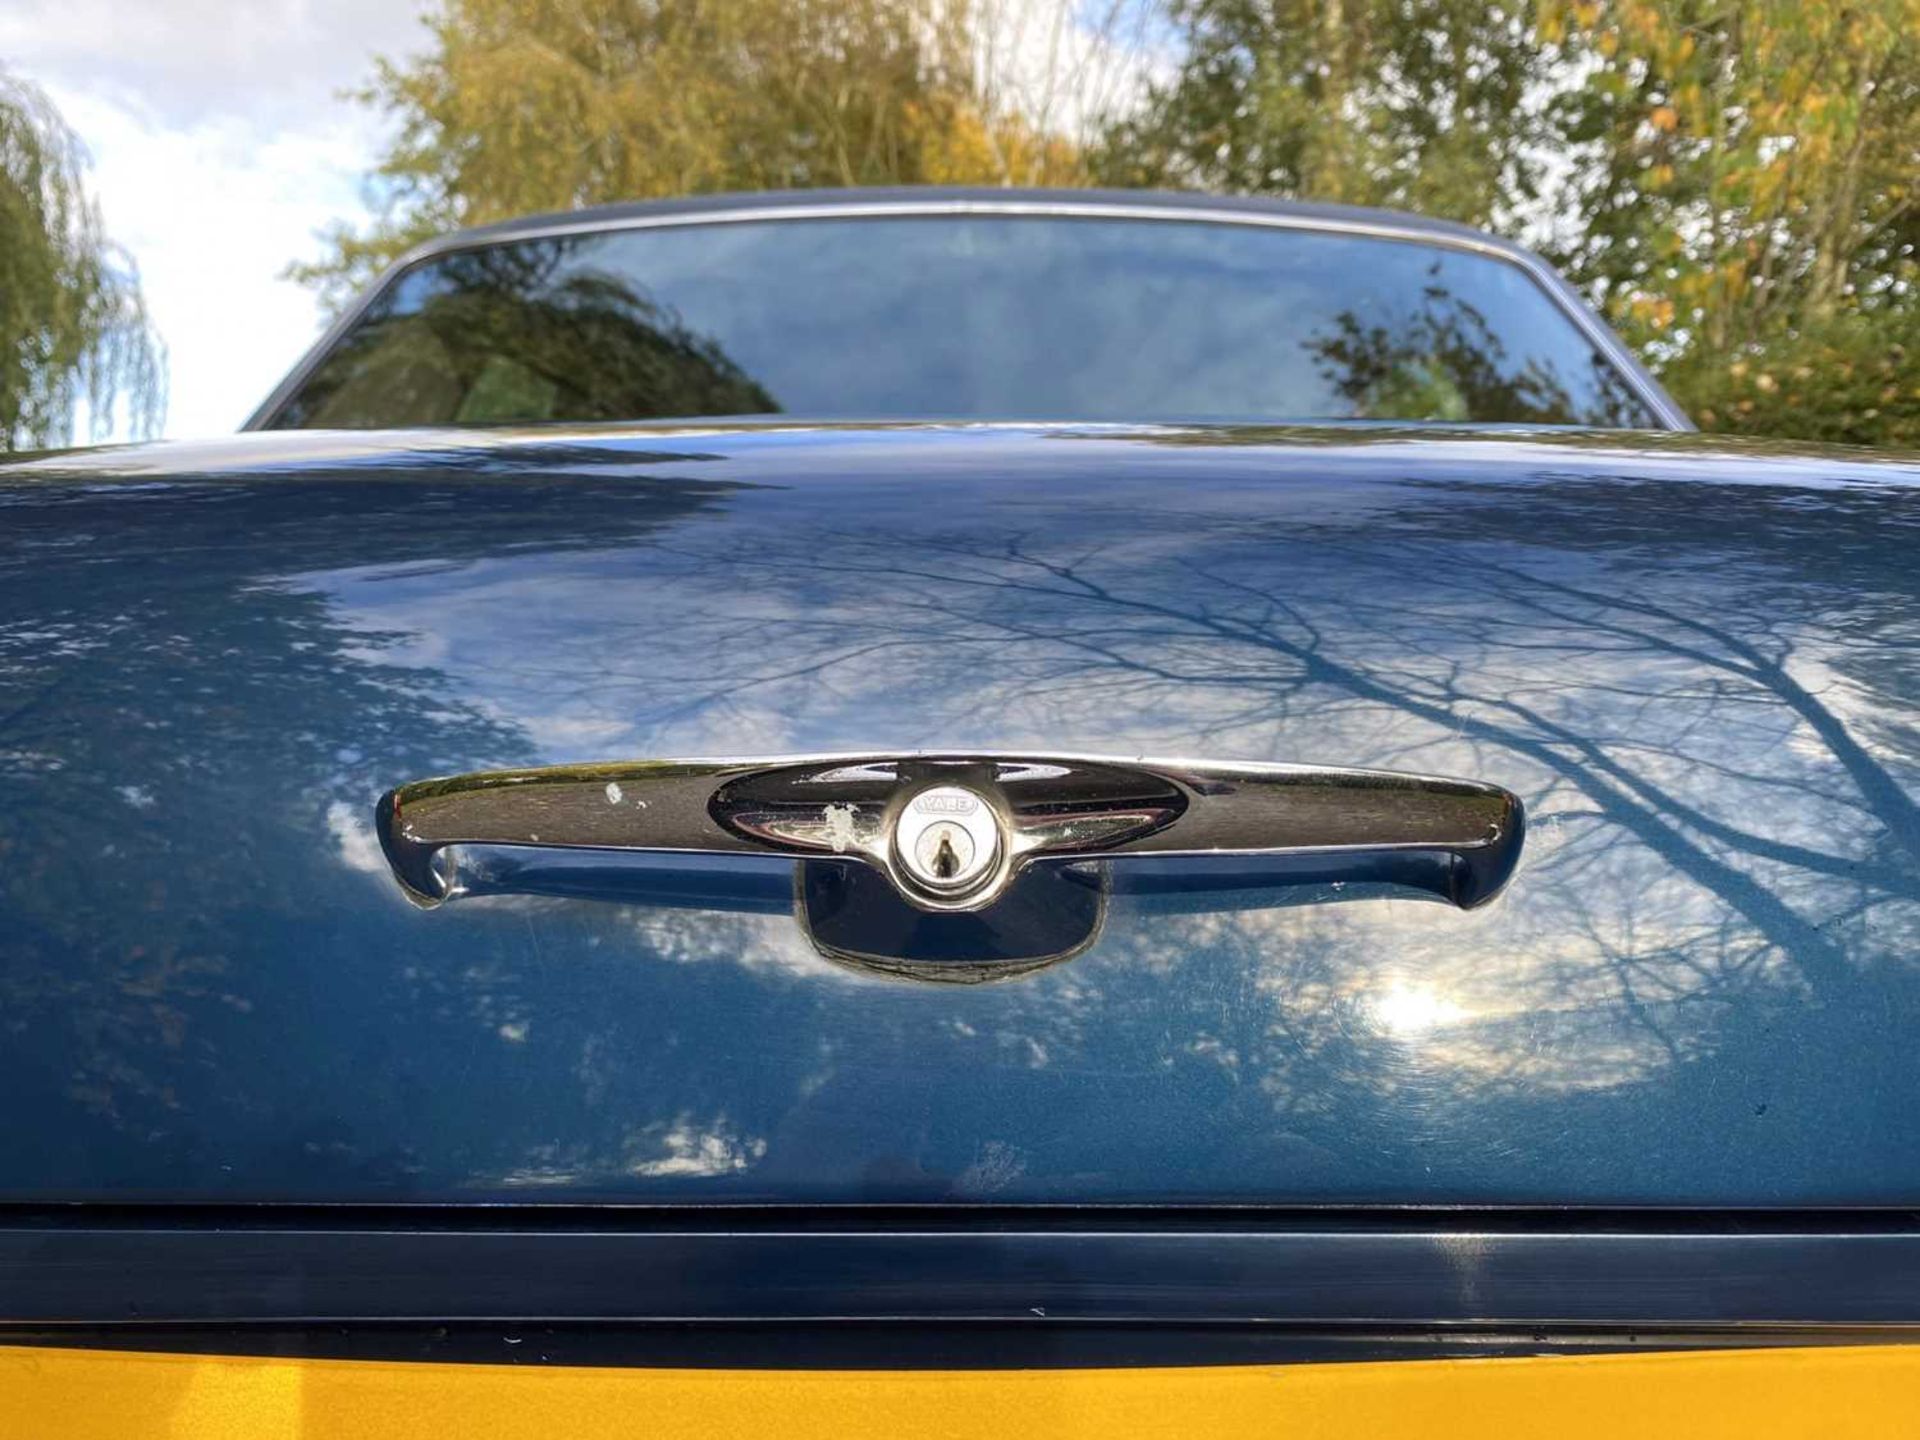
1703 687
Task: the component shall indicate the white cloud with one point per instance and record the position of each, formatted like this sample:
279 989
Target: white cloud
212 212
687 1149
359 847
274 63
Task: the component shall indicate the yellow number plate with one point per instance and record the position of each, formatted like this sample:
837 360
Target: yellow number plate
49 1394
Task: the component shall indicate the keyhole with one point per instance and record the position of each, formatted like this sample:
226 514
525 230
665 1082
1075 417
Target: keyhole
941 853
946 864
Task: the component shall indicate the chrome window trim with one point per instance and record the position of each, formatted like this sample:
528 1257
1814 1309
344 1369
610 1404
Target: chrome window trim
1549 280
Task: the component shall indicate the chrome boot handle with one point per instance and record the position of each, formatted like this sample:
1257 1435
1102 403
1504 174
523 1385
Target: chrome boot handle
951 831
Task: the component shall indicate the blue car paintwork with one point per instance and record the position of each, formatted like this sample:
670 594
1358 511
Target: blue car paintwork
1697 660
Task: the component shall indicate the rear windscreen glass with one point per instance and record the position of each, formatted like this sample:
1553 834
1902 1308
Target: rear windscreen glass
991 317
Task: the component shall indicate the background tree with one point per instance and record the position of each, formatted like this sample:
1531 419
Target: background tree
72 324
1417 106
520 106
1056 75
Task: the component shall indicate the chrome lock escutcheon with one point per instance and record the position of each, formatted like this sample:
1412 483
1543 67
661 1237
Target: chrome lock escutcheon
947 840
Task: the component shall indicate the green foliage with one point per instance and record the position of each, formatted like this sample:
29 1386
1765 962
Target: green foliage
520 106
1853 379
1747 171
1415 104
72 324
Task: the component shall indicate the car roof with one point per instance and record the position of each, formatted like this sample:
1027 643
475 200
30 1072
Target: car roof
869 199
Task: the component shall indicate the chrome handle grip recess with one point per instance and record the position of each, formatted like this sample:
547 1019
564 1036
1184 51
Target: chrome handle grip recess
952 831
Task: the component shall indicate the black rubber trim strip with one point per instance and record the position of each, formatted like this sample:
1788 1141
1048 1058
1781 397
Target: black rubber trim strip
877 1345
76 1269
